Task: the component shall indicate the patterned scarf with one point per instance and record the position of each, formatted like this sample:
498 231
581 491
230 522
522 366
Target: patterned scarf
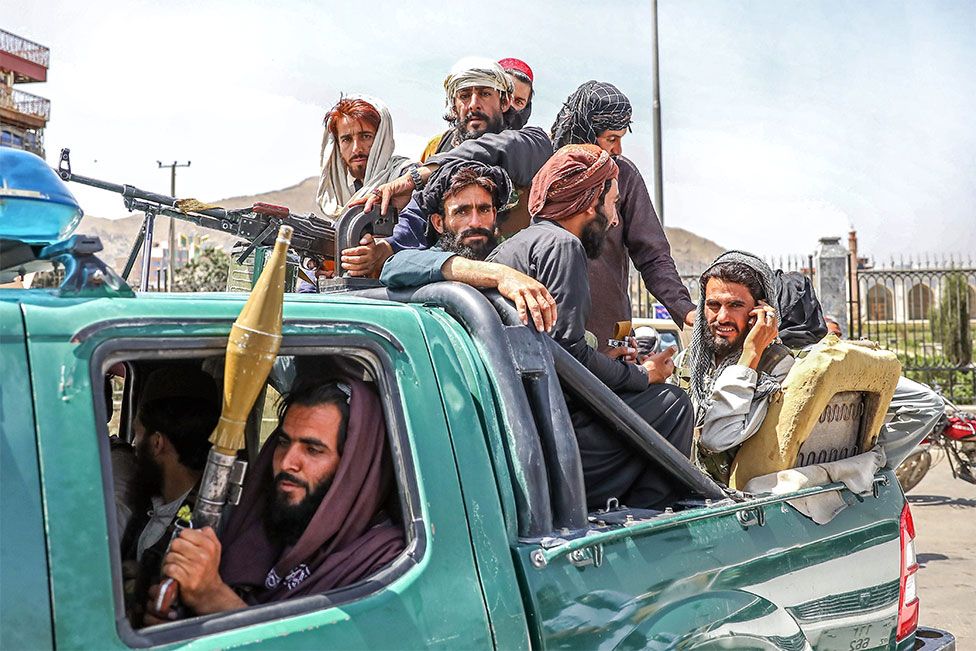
592 109
701 357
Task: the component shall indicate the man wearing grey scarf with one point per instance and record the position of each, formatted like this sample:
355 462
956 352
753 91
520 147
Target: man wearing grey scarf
735 362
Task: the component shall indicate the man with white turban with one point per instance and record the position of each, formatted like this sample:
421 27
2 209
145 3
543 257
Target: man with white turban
357 153
478 92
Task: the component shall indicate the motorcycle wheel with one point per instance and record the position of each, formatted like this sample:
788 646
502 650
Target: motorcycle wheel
913 468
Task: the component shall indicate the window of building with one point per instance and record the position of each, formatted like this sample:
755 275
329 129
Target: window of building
919 302
880 303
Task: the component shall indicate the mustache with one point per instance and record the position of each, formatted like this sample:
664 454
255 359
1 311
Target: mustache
476 115
287 476
474 231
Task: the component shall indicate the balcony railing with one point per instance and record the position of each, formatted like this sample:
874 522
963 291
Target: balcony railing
25 49
26 103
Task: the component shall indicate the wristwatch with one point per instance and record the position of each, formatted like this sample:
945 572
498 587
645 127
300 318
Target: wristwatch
418 181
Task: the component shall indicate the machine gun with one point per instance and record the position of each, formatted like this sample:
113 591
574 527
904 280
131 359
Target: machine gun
314 240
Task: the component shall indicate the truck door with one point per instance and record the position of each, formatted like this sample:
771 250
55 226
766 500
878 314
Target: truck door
429 597
24 598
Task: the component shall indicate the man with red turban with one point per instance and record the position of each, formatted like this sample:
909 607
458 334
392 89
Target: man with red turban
573 203
523 82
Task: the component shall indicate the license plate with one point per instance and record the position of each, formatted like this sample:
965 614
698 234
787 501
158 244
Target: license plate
863 637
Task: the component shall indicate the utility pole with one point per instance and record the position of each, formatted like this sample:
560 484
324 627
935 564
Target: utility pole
170 266
656 120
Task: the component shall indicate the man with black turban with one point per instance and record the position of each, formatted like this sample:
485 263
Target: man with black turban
463 199
572 202
598 113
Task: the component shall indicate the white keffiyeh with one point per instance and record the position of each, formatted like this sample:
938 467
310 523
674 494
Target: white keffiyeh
336 187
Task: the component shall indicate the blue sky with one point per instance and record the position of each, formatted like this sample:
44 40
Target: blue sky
783 120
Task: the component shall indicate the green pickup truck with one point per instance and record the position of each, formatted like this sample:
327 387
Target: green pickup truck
501 551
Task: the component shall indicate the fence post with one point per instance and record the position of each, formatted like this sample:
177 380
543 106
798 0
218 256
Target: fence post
830 279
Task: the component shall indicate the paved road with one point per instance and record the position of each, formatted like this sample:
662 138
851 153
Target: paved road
944 510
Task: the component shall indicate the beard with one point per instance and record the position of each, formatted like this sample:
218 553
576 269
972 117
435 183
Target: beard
285 522
357 166
452 243
594 234
150 474
722 347
492 125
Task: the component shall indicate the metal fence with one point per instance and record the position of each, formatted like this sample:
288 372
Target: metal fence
925 314
26 103
25 49
642 301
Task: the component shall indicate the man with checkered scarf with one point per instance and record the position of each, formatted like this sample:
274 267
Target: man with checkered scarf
735 362
598 113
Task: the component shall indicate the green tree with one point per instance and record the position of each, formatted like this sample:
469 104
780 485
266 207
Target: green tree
207 272
950 321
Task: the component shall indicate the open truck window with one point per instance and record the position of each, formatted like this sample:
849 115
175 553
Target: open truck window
145 391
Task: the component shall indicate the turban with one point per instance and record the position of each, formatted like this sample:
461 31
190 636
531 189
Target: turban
432 195
517 65
569 181
476 71
593 108
515 118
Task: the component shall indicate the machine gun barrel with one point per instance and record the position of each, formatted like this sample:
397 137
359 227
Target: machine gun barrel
313 240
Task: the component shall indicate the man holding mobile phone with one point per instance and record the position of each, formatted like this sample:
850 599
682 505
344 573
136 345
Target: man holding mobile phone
734 363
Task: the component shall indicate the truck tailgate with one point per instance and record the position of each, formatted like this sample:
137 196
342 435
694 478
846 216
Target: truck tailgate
757 574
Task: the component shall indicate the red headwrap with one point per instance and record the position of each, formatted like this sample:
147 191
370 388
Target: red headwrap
569 181
519 65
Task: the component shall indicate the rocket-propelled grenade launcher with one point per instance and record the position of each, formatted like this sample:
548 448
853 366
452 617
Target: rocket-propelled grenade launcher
252 347
251 351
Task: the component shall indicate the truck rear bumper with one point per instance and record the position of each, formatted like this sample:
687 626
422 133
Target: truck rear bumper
932 639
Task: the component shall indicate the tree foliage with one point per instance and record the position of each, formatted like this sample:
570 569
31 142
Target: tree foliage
207 272
950 320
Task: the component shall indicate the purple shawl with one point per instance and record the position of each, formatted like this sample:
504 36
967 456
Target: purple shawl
347 538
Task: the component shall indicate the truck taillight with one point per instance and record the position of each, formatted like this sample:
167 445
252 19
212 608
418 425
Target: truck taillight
908 594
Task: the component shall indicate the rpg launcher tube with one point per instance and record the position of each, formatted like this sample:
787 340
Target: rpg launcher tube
252 347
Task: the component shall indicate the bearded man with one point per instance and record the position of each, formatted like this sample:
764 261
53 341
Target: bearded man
357 153
734 364
463 199
296 531
573 203
478 93
598 113
178 410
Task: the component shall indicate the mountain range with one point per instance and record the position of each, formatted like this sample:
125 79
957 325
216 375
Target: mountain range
691 252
